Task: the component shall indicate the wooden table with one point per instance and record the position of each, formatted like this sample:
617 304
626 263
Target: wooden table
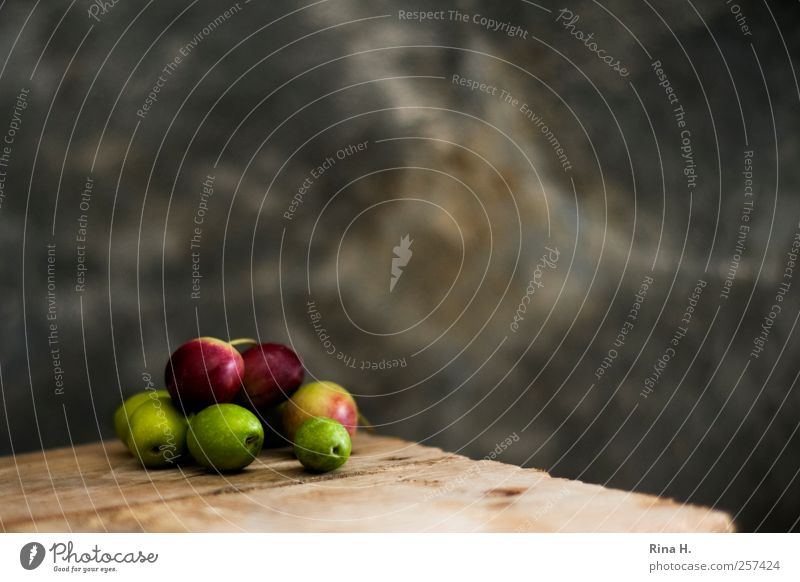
387 485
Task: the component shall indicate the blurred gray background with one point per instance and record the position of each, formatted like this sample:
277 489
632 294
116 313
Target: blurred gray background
556 151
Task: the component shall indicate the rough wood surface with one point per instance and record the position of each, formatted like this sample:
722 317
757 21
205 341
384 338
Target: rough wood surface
388 485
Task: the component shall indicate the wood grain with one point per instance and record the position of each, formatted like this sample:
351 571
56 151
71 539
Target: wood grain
388 485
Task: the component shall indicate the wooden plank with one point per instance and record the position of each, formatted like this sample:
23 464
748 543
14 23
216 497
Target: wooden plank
388 485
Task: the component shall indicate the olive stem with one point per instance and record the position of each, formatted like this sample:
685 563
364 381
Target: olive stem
243 340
